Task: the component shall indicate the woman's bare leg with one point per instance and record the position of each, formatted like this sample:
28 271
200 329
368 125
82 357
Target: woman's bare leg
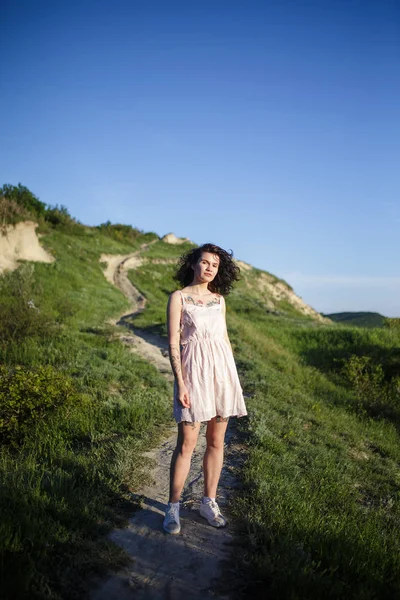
214 455
181 458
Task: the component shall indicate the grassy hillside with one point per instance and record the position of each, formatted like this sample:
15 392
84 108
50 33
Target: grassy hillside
76 410
321 480
319 512
358 319
321 509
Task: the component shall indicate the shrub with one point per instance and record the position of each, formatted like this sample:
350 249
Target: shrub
10 213
24 198
375 395
59 215
21 313
17 203
391 323
28 395
119 232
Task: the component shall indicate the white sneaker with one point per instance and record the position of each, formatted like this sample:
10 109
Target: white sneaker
211 512
171 522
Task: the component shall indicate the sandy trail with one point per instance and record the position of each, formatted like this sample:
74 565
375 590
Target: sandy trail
194 564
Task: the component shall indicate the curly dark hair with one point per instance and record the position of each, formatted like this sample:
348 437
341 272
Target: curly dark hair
228 271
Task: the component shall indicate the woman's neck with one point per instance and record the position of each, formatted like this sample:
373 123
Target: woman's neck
199 289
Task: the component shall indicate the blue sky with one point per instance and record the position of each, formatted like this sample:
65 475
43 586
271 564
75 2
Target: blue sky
270 128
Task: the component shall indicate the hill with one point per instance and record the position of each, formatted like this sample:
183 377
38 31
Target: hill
358 319
18 206
316 512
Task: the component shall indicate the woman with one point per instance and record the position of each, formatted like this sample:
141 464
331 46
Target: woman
206 386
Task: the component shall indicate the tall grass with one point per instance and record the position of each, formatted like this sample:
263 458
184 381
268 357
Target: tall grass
319 512
66 475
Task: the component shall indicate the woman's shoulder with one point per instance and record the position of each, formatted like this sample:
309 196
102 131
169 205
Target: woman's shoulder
174 295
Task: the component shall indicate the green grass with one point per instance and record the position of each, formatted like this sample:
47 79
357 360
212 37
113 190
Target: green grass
318 514
70 479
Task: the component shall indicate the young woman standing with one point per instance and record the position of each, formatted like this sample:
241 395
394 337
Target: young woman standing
206 386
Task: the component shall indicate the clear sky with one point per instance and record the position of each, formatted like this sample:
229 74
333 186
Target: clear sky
269 128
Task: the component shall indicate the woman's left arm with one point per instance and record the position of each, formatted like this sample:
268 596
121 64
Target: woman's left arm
226 336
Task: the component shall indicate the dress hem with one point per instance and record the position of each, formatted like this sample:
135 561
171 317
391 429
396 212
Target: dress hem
205 420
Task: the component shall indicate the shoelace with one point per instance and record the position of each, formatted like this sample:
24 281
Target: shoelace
172 514
215 508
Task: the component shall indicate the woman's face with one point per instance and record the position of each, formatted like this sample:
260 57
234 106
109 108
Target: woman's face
206 267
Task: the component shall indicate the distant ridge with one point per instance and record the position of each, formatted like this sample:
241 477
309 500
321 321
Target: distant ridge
359 319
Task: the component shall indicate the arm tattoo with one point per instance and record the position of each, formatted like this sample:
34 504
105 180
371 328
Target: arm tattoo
175 359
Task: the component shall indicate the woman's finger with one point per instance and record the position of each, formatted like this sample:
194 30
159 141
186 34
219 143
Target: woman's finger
184 400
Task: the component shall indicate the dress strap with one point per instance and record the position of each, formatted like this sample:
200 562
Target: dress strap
182 297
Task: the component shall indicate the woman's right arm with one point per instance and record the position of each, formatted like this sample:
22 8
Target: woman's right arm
174 309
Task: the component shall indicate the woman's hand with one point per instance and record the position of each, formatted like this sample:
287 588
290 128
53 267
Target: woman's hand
183 395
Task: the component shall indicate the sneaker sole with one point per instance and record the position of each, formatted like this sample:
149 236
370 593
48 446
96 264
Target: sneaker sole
172 532
216 526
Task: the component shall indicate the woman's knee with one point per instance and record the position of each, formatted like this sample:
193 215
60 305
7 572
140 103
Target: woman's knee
215 442
186 447
187 438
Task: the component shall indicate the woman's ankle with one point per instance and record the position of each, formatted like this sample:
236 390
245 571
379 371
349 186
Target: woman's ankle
207 499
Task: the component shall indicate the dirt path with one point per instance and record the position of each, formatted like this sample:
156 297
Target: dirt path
194 564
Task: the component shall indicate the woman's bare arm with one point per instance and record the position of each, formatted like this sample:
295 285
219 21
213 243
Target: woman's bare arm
174 309
226 329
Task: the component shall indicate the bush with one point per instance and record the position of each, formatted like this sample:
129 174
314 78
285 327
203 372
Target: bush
375 395
119 232
21 314
28 395
17 203
59 216
24 198
391 323
10 213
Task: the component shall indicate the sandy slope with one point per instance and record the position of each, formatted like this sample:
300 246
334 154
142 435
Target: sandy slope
194 564
20 242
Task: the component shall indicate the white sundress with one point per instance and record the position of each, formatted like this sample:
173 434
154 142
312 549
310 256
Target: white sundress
208 366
